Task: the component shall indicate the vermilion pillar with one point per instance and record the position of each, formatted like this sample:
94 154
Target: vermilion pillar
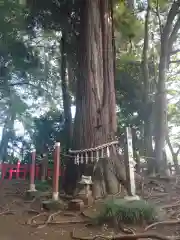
32 170
55 195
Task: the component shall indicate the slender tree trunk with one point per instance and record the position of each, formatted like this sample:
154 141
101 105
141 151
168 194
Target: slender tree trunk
176 164
65 92
161 114
148 150
4 144
161 101
151 162
174 154
44 167
6 137
95 120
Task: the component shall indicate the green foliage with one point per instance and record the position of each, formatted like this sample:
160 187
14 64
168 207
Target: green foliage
15 55
125 211
42 186
126 24
162 4
48 129
128 92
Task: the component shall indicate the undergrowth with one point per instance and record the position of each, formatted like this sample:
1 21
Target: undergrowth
42 186
121 210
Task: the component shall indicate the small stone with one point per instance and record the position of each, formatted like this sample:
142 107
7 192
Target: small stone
76 205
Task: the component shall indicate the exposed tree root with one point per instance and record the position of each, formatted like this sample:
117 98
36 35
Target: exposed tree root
65 222
170 222
122 237
29 222
31 211
7 212
49 219
159 195
127 230
71 214
31 201
171 205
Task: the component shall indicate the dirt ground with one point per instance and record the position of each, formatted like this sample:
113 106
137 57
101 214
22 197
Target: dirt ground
14 216
14 226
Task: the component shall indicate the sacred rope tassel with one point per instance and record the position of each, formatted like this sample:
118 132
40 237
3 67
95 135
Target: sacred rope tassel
77 159
92 156
97 155
82 161
107 151
86 157
102 152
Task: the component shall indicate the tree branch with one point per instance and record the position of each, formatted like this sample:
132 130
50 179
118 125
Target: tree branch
174 32
175 52
158 16
178 151
145 49
169 144
174 61
22 83
172 14
172 39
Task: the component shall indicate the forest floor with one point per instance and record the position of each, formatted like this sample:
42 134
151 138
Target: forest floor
15 213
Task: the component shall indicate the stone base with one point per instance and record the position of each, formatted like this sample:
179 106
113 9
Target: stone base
54 205
132 198
76 205
88 200
31 194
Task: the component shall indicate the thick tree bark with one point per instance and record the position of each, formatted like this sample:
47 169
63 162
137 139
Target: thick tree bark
95 120
65 92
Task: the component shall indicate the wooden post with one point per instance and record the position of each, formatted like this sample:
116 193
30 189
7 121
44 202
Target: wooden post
130 164
55 195
170 168
32 170
44 167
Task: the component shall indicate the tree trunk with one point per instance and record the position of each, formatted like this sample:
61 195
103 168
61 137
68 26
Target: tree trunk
161 101
95 120
44 167
8 133
175 161
4 145
66 93
174 154
161 114
151 162
148 150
